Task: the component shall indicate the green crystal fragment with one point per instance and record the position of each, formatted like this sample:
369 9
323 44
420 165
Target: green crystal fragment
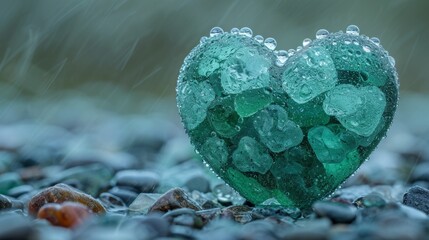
224 120
244 71
250 156
201 95
286 130
215 151
358 109
308 114
331 144
310 73
275 130
249 102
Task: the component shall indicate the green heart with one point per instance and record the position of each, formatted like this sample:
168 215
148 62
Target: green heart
286 127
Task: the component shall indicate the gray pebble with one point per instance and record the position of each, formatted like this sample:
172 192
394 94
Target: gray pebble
336 212
417 197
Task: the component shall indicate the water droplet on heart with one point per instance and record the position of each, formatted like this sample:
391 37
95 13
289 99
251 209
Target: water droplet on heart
299 48
355 42
321 33
216 31
203 39
282 56
291 52
246 32
352 30
259 38
375 40
366 48
391 60
270 43
306 41
235 31
347 41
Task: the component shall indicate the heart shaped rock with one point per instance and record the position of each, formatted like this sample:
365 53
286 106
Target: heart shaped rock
286 127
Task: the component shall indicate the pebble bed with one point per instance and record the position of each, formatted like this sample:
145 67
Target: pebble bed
73 170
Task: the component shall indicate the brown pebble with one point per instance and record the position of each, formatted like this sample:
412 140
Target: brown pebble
67 214
241 214
173 199
63 193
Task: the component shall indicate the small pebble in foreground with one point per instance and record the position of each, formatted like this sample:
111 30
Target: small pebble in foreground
67 214
63 193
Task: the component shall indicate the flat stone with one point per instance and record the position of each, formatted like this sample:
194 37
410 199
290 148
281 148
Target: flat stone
142 181
173 199
417 197
63 193
336 212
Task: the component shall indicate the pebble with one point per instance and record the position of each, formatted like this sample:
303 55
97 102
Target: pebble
241 214
67 214
62 193
198 183
141 181
17 227
336 212
173 199
153 225
5 202
20 190
371 200
417 197
9 181
126 195
143 202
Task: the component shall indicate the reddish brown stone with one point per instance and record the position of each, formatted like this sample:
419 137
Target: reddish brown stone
63 193
173 199
67 214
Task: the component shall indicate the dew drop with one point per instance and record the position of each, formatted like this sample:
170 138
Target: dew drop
375 40
246 32
235 31
270 43
299 48
216 31
203 39
306 41
259 38
282 56
291 52
322 33
352 30
391 60
366 48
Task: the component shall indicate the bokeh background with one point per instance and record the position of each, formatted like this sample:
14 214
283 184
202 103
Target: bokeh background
125 55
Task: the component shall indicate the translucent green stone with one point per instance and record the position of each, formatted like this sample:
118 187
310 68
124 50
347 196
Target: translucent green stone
283 127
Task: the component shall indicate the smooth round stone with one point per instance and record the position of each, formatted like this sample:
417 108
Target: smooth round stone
115 160
67 214
9 181
371 200
63 193
417 197
20 190
142 181
336 212
17 227
198 183
125 194
247 115
154 225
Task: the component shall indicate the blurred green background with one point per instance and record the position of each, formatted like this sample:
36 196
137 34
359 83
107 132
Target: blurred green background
123 48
